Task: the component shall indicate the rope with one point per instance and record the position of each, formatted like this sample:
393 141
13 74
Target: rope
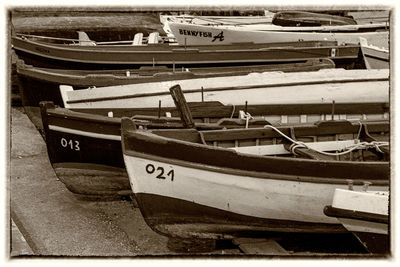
346 150
359 130
247 116
233 111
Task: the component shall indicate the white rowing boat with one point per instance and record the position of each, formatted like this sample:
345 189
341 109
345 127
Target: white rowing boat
192 34
323 86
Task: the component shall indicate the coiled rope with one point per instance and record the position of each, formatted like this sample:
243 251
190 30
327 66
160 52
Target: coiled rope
346 150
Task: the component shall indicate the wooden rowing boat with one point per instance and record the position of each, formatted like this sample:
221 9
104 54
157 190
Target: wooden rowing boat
192 34
41 53
374 57
42 84
323 86
72 136
364 213
221 184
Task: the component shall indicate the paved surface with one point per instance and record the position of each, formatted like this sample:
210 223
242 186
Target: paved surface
54 222
19 246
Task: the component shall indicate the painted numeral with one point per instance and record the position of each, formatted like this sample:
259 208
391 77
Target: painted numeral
159 171
72 144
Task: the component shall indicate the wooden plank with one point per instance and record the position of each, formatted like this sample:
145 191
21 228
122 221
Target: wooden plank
260 246
312 154
279 149
319 128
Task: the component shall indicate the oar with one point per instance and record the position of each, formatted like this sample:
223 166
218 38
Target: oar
182 106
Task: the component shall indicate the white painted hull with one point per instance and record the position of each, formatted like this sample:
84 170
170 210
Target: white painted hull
191 34
356 226
375 58
212 20
362 201
324 86
243 195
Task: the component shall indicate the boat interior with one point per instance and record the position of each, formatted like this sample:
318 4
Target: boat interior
323 140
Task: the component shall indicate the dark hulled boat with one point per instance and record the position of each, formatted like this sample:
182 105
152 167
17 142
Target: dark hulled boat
35 51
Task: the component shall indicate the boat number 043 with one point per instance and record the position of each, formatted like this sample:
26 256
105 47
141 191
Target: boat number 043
160 172
72 144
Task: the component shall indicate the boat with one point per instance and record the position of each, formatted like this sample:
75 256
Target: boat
223 184
192 34
370 16
323 86
304 18
213 20
72 135
42 84
374 57
217 20
41 52
365 213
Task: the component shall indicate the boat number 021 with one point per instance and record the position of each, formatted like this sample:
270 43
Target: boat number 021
160 172
72 144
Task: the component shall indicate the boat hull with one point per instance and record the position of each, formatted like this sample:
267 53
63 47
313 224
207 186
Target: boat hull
210 204
43 54
86 155
301 18
190 34
324 86
93 179
42 84
374 58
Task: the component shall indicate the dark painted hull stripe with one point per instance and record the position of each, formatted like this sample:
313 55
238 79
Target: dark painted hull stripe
356 215
377 58
160 210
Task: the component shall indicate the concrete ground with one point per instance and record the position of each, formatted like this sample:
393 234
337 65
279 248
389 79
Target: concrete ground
54 222
19 246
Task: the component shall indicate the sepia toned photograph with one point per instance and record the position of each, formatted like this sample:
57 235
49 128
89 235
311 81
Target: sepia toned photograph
199 132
